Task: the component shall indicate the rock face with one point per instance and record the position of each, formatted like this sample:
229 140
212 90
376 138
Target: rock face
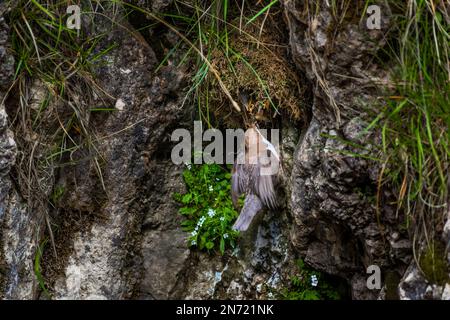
18 227
336 226
118 232
104 261
257 269
130 244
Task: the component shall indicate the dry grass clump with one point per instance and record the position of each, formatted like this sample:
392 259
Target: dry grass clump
261 75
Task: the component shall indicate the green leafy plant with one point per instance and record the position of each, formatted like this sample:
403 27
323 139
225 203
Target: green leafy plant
309 284
208 208
57 194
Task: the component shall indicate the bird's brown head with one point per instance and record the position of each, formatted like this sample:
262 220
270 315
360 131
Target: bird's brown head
254 145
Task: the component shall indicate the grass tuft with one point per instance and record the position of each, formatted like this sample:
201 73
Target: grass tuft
51 101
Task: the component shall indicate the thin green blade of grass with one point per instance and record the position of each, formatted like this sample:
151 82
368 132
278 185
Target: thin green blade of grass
263 10
37 268
48 13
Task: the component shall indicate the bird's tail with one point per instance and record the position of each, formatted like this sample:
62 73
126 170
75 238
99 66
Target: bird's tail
252 206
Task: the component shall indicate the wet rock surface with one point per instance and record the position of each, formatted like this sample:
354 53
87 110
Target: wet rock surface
258 268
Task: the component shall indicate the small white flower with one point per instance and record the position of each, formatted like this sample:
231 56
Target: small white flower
194 233
222 218
314 280
193 242
211 213
225 236
201 221
210 188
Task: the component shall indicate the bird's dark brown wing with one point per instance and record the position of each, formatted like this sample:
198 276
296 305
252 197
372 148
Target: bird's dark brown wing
264 186
239 179
247 178
252 206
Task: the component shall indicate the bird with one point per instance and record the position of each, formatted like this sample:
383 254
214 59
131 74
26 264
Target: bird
254 178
